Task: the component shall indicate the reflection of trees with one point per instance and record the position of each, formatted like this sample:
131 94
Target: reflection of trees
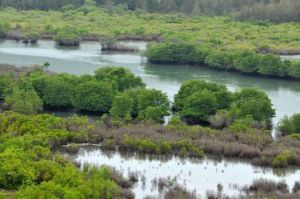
183 72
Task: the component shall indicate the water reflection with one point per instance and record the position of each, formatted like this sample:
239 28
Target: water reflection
195 174
85 59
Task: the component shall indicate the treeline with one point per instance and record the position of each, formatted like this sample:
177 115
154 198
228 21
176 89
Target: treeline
276 11
245 61
270 10
39 4
112 91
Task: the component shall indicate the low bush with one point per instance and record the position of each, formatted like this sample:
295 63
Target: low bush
284 159
67 36
289 125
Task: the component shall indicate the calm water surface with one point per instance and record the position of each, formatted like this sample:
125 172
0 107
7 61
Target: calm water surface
87 58
195 174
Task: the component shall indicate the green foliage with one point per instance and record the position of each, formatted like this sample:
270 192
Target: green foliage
93 97
176 53
220 59
245 61
243 125
68 36
58 92
6 83
222 95
111 90
4 29
29 167
289 125
199 106
285 158
122 107
24 101
121 78
295 70
152 104
269 65
254 103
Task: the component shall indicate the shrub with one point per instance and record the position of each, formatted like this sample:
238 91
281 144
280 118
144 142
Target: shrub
4 29
254 103
24 101
58 93
220 59
121 78
284 159
289 125
221 119
223 96
152 104
269 65
294 70
6 84
174 53
247 62
199 106
67 36
93 97
122 107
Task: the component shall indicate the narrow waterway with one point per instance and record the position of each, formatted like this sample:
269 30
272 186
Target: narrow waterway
193 174
284 94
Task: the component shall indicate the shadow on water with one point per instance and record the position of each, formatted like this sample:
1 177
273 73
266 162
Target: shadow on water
186 72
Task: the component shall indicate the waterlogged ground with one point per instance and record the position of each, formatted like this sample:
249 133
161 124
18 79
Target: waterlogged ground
87 58
194 174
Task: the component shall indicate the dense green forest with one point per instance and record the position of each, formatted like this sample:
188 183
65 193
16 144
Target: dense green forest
270 10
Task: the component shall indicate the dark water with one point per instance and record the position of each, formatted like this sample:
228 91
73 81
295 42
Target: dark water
87 58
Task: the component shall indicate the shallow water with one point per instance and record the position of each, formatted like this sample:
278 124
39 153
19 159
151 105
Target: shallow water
194 174
285 95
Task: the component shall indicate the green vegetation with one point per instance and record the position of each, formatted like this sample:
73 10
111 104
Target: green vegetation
223 44
67 36
29 166
270 10
100 94
203 102
289 125
91 23
93 97
244 61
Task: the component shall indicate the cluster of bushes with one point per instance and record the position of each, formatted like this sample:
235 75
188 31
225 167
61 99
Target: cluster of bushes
144 145
290 126
245 61
200 102
111 90
30 167
68 36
